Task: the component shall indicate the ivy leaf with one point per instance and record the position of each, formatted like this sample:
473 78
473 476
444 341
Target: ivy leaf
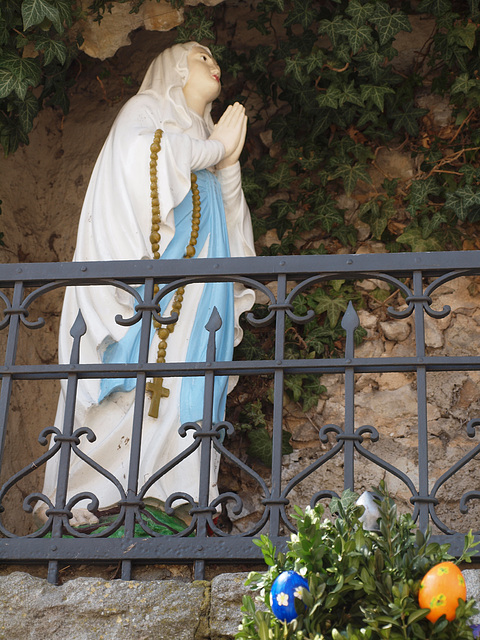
331 28
358 35
377 216
4 33
8 83
27 112
432 223
65 11
261 445
463 84
17 74
351 174
36 11
329 214
389 23
294 66
197 26
407 118
350 94
421 189
375 94
461 200
330 98
414 238
437 7
314 62
333 307
302 13
359 13
51 49
281 177
321 122
464 34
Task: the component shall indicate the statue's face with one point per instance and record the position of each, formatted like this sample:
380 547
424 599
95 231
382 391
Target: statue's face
203 76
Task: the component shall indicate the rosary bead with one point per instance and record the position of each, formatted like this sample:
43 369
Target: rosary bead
154 237
162 344
161 353
155 247
193 241
171 328
162 333
155 227
194 234
156 255
190 252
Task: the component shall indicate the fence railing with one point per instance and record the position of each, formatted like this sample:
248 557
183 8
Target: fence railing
416 278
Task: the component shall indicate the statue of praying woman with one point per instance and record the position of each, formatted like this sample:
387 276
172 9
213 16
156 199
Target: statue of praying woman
166 185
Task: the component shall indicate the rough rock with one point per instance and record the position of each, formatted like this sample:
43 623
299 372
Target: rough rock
103 39
397 331
89 608
227 592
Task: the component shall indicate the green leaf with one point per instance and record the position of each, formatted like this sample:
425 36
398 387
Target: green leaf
8 82
331 28
281 177
4 31
21 73
315 61
420 190
51 49
375 94
351 174
463 83
437 7
329 214
301 13
464 34
27 112
261 445
350 94
407 118
357 35
359 13
332 306
329 98
413 237
35 11
295 66
389 22
418 615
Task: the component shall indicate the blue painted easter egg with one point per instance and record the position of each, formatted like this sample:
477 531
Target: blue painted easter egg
285 590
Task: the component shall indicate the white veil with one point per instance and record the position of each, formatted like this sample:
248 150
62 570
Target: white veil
165 79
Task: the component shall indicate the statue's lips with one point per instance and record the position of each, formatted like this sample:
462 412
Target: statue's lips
217 78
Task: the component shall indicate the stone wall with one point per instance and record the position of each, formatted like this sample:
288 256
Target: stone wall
94 609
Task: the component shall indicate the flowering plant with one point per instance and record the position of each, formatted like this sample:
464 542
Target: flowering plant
363 585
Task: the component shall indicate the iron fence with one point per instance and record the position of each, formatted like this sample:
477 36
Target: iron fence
417 277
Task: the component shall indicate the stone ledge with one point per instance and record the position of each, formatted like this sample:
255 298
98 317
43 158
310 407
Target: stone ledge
97 609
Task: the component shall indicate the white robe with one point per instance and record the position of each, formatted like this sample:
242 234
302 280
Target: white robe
115 224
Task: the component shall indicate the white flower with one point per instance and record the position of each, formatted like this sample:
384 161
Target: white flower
282 599
298 593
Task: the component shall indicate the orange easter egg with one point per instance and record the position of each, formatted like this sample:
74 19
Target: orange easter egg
440 590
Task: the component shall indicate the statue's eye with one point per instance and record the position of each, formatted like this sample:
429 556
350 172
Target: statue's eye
204 58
